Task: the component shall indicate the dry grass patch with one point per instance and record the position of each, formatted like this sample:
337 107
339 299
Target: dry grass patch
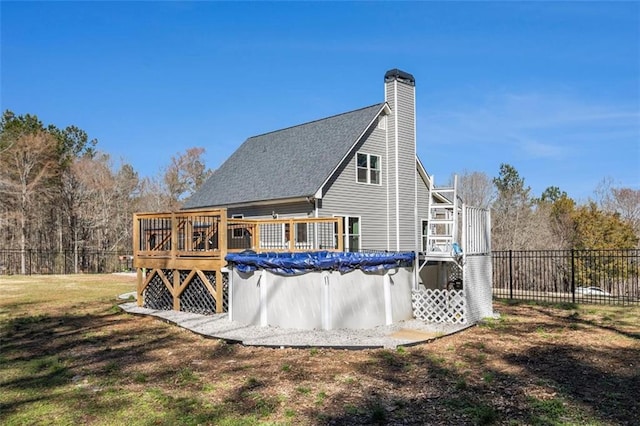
69 357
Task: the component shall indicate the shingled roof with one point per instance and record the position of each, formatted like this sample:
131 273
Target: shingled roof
288 163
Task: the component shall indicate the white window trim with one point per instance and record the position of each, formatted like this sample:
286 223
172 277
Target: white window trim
423 245
379 169
345 229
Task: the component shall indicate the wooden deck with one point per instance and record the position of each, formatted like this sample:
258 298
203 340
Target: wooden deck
174 250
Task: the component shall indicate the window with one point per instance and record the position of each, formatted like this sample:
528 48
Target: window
425 234
353 234
368 168
351 229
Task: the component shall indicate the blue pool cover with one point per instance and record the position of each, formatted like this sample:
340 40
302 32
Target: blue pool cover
301 263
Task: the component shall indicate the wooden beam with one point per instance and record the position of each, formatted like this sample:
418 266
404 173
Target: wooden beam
222 234
175 288
206 282
136 235
139 286
174 235
292 236
180 288
164 280
219 293
255 243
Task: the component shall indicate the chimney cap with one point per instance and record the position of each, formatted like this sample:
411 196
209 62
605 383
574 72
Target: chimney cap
401 76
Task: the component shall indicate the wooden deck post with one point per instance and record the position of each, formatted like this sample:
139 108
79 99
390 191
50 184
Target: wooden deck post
222 243
140 284
176 290
136 235
292 237
136 247
174 236
255 245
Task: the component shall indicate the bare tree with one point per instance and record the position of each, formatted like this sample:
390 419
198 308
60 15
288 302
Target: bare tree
476 189
127 186
626 202
184 175
153 195
620 200
512 211
27 167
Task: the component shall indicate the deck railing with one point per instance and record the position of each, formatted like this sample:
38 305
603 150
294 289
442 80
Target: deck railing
179 256
285 235
163 238
160 239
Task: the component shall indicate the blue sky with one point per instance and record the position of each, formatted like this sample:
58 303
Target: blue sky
550 88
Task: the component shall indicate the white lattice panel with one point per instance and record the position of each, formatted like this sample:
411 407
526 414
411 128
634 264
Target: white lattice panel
439 306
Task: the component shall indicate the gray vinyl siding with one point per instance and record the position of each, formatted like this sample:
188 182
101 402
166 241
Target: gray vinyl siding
391 153
300 209
344 196
401 96
407 166
423 205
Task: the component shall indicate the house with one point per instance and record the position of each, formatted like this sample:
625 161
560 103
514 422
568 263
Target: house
351 182
360 165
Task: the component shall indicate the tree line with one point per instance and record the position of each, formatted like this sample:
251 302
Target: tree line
553 220
59 192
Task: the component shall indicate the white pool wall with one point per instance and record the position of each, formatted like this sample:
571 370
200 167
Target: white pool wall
322 299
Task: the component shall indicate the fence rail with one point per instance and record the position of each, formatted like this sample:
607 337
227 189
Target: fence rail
64 262
574 276
545 275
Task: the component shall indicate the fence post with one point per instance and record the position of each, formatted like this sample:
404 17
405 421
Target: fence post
573 277
510 274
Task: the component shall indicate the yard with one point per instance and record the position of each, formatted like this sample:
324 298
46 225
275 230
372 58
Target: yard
69 356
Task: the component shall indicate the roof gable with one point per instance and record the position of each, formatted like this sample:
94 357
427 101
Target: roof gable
288 163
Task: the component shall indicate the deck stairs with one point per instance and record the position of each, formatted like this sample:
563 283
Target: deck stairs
441 241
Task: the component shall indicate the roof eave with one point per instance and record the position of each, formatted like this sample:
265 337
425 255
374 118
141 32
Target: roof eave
320 191
257 203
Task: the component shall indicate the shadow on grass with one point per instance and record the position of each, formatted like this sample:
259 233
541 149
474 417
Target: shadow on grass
611 393
565 306
576 319
559 383
42 356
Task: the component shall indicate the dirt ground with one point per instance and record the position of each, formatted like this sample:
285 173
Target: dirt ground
536 364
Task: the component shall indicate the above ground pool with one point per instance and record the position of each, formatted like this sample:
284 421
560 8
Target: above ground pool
320 290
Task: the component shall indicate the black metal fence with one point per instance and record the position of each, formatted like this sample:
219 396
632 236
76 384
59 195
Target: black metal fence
64 262
574 276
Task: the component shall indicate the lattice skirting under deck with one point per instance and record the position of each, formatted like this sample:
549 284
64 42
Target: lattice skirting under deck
156 295
196 296
439 306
